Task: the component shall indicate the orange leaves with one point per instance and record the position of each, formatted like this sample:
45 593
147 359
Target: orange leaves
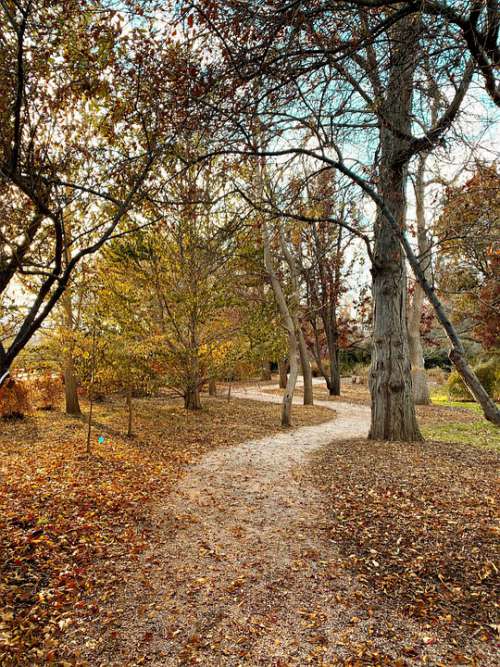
71 524
14 399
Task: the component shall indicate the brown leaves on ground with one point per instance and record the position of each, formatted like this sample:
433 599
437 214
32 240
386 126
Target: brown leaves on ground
418 523
67 519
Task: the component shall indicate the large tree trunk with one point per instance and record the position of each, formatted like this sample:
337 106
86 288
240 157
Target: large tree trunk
393 410
71 387
283 373
192 397
457 352
419 376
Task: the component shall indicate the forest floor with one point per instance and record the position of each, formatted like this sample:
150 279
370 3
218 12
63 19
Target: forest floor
69 521
444 420
309 546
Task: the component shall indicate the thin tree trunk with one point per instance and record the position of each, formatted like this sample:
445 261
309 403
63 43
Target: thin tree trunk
130 413
70 383
192 400
283 373
305 366
419 376
330 322
420 386
286 412
293 351
91 387
266 374
212 387
293 310
393 411
333 380
89 421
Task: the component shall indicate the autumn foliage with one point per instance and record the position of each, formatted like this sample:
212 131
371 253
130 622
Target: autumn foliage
14 399
47 391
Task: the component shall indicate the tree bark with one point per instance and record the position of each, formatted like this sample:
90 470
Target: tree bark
333 378
293 310
323 287
393 411
293 350
286 412
70 383
71 387
421 393
305 365
266 375
212 387
457 353
283 373
192 397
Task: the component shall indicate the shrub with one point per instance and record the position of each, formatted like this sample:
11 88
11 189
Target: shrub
437 359
488 374
14 399
438 375
316 373
48 391
361 370
352 358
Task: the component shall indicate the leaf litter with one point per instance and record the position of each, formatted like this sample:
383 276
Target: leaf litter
69 522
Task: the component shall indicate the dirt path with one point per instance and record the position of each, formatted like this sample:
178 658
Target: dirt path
246 573
236 579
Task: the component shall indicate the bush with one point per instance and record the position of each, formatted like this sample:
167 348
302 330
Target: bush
316 373
14 399
361 370
438 375
352 358
48 391
437 359
488 374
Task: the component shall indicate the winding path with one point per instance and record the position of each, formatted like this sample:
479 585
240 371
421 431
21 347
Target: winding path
238 578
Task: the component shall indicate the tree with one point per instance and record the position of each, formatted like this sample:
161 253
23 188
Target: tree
468 260
313 68
419 376
294 308
288 324
323 254
82 120
172 281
